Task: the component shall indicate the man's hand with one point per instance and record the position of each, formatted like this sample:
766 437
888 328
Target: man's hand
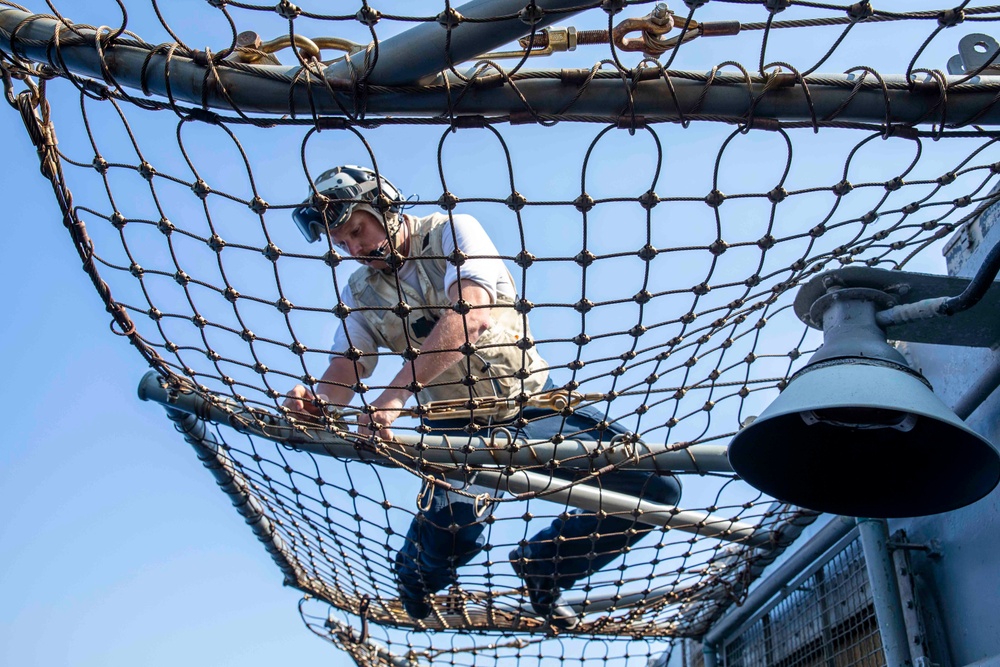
388 407
300 399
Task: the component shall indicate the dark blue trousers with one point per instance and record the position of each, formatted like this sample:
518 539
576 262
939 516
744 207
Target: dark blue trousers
447 534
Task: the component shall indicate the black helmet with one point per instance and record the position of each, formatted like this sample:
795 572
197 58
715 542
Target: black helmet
338 192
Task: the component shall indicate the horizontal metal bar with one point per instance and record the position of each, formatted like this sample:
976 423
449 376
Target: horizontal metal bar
654 514
465 452
265 89
831 96
695 590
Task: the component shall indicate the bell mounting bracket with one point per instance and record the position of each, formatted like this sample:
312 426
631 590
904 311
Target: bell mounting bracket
978 326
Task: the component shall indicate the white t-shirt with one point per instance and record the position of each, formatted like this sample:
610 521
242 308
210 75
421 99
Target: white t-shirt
481 267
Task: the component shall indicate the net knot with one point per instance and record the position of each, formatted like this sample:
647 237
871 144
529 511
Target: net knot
447 201
531 14
449 18
368 16
715 198
950 18
860 11
287 10
613 6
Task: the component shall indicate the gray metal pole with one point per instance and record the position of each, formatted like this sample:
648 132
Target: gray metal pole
710 655
981 389
653 514
885 591
830 95
837 529
728 97
412 449
428 49
615 601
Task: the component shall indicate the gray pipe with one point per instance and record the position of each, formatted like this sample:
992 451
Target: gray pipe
650 513
885 591
412 449
615 601
728 97
982 388
947 306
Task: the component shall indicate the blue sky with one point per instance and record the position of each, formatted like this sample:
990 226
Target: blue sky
116 546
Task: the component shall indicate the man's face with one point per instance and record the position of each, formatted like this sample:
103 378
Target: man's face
360 236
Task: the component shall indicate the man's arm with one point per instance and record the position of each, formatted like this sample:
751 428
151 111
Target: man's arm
341 373
438 353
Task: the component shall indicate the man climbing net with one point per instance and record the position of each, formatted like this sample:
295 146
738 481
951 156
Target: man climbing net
431 290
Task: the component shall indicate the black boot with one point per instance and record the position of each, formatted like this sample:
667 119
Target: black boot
545 596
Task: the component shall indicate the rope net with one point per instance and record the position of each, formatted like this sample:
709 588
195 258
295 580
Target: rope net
655 249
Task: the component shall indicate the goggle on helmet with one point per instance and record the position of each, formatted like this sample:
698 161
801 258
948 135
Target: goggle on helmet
341 190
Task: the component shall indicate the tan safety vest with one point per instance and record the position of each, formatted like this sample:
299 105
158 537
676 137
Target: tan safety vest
493 370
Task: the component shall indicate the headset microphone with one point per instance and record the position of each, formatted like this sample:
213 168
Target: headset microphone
380 251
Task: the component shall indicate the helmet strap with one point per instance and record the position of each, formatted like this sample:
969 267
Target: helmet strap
390 220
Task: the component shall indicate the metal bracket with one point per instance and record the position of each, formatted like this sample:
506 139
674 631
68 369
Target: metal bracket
975 327
932 549
975 51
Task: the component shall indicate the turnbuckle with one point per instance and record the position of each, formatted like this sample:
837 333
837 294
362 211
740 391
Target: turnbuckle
550 40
